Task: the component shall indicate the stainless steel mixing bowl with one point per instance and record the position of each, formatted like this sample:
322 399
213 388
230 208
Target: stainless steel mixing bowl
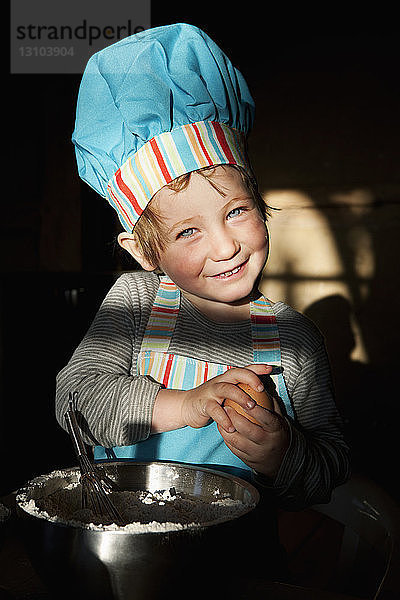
123 565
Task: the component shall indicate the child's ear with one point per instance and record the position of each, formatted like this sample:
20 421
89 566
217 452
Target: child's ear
128 242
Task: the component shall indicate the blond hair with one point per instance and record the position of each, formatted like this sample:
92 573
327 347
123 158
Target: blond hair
149 231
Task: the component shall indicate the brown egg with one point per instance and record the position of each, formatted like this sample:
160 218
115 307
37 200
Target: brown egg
262 399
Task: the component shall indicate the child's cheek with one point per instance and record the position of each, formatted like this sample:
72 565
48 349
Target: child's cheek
260 236
183 266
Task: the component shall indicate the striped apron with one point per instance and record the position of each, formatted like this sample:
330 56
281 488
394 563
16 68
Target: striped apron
205 445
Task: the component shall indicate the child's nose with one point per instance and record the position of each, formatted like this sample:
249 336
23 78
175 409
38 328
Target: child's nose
224 246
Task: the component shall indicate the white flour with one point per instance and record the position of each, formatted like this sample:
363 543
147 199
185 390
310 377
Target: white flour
141 511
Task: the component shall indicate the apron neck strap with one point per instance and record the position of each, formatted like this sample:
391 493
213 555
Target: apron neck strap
162 320
265 334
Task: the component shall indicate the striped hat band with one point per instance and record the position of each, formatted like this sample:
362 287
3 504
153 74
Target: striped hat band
167 156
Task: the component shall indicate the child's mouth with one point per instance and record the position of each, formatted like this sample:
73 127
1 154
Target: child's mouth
228 274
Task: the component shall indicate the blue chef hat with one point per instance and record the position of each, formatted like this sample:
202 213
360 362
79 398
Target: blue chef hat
156 105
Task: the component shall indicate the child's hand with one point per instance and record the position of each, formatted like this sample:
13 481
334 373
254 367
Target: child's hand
205 401
261 447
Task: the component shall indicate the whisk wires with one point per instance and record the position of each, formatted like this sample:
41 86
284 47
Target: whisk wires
95 487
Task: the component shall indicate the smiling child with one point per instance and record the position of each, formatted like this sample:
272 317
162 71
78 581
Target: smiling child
161 128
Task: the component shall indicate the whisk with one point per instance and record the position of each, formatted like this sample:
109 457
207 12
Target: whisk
95 486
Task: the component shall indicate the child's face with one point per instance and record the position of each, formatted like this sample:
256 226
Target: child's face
216 242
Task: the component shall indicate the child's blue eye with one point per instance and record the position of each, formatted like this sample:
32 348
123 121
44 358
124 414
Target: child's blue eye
186 232
235 212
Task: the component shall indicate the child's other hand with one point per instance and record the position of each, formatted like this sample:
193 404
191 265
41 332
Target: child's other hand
261 447
205 401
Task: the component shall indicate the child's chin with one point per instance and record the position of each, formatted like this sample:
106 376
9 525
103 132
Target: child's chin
235 299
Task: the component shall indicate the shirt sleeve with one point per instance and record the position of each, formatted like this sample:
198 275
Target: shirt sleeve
114 404
317 458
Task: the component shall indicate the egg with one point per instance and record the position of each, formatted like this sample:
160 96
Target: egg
261 398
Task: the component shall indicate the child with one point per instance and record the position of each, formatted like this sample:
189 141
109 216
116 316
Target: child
162 119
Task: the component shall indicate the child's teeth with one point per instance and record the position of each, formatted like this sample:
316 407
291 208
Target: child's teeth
230 272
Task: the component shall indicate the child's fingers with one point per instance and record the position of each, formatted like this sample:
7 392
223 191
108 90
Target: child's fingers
269 421
233 392
247 375
243 426
245 430
241 441
213 405
220 416
206 400
261 447
260 369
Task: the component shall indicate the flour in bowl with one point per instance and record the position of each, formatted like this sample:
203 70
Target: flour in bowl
142 511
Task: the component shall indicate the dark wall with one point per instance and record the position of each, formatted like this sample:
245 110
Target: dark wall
326 89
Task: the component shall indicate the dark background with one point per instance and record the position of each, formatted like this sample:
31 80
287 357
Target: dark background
326 91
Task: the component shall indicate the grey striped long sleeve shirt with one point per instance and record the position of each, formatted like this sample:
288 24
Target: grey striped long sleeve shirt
117 404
